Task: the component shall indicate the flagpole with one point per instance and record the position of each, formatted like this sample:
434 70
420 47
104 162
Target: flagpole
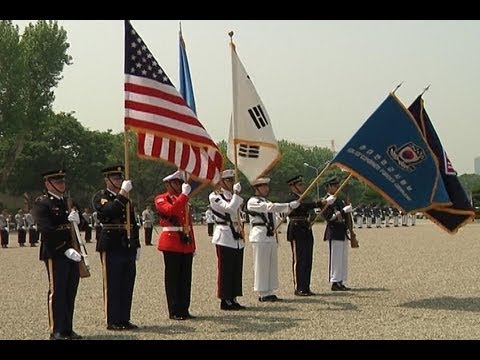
232 46
186 176
326 205
309 188
233 134
314 182
127 176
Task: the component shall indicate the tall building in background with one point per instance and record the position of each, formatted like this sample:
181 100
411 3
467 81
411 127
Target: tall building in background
477 165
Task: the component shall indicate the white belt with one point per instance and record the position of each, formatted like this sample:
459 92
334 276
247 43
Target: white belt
172 228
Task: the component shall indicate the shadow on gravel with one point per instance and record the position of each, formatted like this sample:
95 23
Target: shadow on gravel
446 303
115 336
168 329
244 321
254 324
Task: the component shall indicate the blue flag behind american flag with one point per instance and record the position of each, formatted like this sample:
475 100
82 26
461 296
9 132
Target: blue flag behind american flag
461 212
186 89
166 127
391 155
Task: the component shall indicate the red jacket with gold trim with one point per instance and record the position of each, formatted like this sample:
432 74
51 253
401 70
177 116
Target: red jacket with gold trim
177 234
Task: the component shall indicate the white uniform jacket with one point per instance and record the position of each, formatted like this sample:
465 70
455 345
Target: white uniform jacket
223 202
259 204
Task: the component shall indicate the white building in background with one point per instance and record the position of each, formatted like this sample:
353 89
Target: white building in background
477 165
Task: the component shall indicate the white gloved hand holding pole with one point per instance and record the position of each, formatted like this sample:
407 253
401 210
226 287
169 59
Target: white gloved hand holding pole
186 188
347 209
330 199
74 217
237 188
127 185
73 254
294 204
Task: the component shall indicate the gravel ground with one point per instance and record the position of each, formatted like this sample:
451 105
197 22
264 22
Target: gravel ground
408 283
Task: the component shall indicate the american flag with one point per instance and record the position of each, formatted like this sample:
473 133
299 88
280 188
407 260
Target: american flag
167 129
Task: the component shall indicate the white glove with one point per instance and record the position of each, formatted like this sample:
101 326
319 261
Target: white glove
237 187
23 227
35 227
127 185
331 199
74 217
7 229
138 254
348 209
73 254
186 188
294 204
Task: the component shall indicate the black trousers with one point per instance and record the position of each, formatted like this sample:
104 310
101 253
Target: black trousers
98 230
148 235
32 236
230 268
22 236
88 233
178 282
4 237
63 279
302 259
119 272
210 227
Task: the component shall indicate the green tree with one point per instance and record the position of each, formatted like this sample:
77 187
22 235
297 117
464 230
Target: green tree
30 68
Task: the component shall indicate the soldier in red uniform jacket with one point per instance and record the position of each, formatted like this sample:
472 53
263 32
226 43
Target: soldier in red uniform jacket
177 242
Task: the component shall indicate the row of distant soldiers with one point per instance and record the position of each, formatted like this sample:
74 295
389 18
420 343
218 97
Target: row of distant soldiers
22 223
378 216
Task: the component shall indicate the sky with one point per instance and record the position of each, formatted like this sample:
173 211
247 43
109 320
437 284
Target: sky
319 79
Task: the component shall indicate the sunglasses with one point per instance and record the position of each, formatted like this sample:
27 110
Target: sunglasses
116 177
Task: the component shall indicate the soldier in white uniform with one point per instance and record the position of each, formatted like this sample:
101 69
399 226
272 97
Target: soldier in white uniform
264 244
148 217
210 219
32 229
228 240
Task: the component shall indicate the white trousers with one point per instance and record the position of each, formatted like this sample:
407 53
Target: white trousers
338 260
265 268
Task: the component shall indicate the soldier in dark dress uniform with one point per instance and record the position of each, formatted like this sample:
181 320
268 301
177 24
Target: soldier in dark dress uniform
118 248
300 236
56 250
336 234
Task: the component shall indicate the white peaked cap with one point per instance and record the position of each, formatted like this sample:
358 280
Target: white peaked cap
176 175
228 174
260 181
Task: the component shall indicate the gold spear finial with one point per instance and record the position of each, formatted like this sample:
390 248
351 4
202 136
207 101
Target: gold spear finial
393 92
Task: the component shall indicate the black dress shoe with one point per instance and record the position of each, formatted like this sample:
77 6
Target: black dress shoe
115 327
238 306
336 286
269 298
301 293
344 288
74 336
178 317
228 305
129 326
59 336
